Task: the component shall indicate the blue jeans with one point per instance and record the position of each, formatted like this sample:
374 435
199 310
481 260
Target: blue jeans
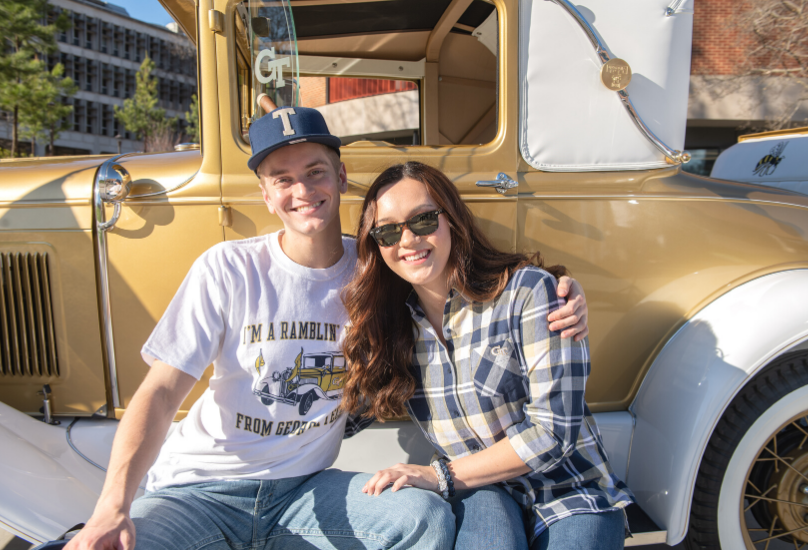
488 518
604 531
322 510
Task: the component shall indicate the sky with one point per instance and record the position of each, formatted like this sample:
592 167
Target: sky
150 11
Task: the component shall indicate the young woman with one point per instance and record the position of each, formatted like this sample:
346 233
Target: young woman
465 348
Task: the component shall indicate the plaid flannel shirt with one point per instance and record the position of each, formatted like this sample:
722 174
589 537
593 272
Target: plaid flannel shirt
503 373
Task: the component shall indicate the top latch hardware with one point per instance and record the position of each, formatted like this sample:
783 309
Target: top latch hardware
676 7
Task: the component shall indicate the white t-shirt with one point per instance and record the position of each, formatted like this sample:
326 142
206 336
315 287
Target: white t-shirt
273 330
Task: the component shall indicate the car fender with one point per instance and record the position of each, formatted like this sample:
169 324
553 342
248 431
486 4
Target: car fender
306 388
44 484
694 378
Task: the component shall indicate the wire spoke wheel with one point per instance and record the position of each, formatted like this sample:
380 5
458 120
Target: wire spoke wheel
751 489
775 499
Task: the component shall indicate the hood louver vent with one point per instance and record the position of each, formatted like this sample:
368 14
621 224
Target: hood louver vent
27 338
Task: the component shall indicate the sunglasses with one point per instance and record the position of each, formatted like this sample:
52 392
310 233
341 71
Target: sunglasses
420 224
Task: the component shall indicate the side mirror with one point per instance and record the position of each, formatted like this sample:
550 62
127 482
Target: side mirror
114 183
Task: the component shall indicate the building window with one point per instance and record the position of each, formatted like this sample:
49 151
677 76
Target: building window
702 161
90 118
343 89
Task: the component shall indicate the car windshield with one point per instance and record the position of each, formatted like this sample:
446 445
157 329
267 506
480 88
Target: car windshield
364 66
267 56
318 361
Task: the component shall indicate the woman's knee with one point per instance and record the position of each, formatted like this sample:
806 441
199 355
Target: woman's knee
489 517
601 531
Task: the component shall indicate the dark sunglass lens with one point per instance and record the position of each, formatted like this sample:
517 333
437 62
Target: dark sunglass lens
388 235
425 224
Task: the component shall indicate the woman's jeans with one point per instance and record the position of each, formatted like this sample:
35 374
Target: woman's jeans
604 531
488 518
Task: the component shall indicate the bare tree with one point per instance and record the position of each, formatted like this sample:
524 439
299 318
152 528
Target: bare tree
777 54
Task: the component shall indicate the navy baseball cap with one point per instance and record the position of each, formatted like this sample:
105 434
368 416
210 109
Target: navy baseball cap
288 126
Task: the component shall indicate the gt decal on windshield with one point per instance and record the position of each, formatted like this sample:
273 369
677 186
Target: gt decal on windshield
268 68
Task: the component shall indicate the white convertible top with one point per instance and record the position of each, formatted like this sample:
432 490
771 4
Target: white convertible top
777 159
569 120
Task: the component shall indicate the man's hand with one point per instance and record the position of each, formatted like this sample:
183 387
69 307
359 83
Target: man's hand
574 316
423 477
105 532
137 442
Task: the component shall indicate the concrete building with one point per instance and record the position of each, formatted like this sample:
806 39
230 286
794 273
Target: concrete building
102 52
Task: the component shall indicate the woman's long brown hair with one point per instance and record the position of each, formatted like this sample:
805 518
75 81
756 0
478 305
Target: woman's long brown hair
379 344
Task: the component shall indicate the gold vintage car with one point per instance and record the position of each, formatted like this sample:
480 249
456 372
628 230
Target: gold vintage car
561 125
314 376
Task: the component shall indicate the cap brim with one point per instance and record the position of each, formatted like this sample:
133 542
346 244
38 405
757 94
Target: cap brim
324 139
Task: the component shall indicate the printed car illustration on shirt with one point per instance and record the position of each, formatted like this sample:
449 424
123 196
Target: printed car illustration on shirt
313 376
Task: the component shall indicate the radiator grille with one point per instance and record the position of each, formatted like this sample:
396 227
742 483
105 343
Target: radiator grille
27 338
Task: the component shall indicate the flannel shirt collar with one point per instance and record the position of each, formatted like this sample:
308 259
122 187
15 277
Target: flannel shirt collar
417 312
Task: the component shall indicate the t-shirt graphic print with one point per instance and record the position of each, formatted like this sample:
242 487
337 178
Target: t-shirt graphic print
273 330
313 376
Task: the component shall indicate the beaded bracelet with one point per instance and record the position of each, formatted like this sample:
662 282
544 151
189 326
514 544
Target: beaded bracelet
445 483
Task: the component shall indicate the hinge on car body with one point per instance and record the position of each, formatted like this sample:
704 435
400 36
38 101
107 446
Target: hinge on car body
216 21
225 216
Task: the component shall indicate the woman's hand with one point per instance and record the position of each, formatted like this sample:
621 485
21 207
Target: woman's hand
423 477
573 317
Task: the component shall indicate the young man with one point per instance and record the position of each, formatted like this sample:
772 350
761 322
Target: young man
247 467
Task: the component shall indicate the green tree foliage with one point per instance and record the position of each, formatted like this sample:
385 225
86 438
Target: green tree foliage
141 115
43 114
24 40
192 117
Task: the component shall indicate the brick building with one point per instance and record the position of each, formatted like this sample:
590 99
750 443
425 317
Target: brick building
723 105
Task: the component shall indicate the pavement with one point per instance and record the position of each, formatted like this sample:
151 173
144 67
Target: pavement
10 542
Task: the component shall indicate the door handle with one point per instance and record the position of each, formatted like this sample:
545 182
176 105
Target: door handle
501 184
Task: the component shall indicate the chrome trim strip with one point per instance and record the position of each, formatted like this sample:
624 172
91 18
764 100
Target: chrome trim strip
586 27
677 157
103 277
164 191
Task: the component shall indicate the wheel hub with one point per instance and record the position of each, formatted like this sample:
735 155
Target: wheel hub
792 494
776 490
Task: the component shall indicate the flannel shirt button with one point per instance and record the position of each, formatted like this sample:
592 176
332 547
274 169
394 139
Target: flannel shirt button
475 447
455 413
